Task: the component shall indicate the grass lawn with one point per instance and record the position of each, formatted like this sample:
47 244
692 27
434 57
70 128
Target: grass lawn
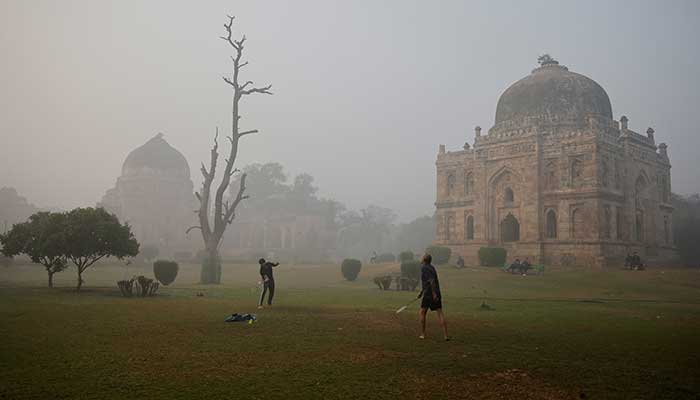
569 334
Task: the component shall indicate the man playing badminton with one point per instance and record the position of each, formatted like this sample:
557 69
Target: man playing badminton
430 292
268 281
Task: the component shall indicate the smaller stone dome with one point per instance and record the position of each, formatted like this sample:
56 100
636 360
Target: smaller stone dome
156 155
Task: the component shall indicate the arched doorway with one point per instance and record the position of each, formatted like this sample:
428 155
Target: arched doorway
470 228
510 229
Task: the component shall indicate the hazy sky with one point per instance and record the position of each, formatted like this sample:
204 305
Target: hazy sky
365 91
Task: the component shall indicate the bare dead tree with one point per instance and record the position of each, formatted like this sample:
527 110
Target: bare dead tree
224 211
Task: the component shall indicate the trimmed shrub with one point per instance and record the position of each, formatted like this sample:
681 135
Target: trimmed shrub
410 269
406 256
492 256
165 271
5 261
350 268
441 255
385 258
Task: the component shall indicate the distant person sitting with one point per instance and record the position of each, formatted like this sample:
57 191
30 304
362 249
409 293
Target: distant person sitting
515 266
268 281
637 262
460 262
525 266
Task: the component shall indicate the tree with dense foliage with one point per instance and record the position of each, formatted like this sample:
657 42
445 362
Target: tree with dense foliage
224 210
93 234
417 234
42 239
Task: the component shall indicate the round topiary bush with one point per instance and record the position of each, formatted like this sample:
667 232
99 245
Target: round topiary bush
492 256
385 258
350 268
165 271
441 255
410 269
406 256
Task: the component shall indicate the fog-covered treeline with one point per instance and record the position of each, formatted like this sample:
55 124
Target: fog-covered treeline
359 233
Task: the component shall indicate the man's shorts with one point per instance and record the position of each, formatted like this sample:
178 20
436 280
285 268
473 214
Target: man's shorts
427 302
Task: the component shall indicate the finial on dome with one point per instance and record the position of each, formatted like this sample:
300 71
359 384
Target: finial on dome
546 59
159 135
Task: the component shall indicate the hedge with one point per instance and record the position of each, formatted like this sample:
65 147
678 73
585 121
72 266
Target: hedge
165 271
441 255
492 256
350 268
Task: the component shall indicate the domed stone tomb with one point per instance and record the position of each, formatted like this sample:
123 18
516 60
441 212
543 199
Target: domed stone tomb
556 179
154 194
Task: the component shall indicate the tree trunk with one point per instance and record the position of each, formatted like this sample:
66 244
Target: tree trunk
80 280
51 279
211 266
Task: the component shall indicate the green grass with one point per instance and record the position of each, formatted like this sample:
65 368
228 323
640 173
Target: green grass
564 335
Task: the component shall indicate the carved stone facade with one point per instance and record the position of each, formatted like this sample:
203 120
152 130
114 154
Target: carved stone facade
556 179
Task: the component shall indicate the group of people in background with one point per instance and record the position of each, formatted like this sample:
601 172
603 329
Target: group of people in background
520 267
634 262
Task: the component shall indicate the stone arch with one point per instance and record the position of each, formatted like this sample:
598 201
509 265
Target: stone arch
468 183
501 179
451 183
576 170
607 221
550 231
510 229
578 223
508 195
469 234
449 227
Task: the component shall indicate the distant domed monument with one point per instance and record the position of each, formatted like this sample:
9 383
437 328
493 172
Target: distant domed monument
154 194
556 179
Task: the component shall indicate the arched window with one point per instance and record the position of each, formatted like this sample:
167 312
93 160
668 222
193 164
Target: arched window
639 187
508 195
667 230
607 216
451 182
619 225
605 173
469 184
510 229
550 181
449 227
639 225
470 228
576 171
577 224
551 225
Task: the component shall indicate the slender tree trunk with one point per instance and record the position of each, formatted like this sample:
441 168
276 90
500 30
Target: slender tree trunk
51 279
80 280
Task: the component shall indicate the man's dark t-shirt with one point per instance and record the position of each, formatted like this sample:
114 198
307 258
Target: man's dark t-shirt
266 270
428 274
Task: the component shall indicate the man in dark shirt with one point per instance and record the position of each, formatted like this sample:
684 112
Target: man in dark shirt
268 281
431 295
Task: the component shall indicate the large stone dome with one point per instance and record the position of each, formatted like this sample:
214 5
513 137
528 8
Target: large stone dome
157 156
555 93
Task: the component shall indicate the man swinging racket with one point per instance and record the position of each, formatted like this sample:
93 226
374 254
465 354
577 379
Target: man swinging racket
268 281
430 292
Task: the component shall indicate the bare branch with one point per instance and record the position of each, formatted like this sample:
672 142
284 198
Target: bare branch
243 86
262 90
229 81
191 228
247 133
240 66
